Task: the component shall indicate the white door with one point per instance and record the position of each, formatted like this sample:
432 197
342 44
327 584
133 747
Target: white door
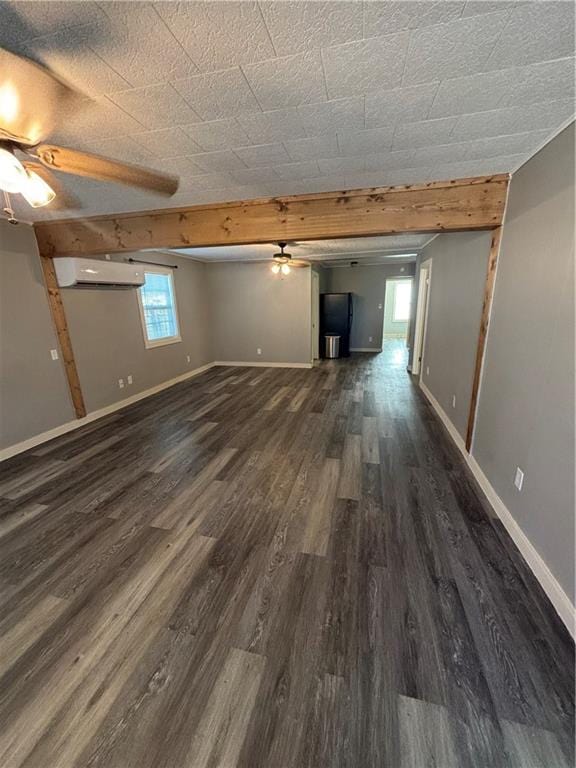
421 311
315 315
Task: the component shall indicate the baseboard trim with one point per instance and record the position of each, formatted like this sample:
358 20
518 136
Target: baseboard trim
454 434
236 363
559 599
62 429
365 349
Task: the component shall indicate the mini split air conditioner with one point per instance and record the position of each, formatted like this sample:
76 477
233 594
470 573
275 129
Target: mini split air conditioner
91 273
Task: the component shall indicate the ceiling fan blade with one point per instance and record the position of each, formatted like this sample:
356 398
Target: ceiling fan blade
104 169
298 263
32 100
64 199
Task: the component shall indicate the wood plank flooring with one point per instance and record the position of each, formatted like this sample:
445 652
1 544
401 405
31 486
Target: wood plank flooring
271 568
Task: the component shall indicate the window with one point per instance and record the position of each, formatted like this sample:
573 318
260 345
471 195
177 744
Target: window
402 297
158 308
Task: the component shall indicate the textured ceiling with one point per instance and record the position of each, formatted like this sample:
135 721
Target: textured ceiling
249 99
369 250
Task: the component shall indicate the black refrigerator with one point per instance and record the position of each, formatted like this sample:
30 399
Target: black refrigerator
336 317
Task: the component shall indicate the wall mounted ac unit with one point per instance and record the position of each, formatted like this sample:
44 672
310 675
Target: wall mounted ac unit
73 272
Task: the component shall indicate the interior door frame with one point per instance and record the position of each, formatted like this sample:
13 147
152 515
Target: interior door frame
315 315
421 323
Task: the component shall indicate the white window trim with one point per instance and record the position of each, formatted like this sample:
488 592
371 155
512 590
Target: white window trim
169 339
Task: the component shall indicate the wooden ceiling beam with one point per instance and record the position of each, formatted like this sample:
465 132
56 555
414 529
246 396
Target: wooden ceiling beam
447 206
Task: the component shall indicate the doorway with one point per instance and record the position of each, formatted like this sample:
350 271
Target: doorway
397 305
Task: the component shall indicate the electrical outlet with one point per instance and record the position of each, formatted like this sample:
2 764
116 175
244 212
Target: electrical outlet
427 370
453 401
379 306
107 257
369 338
130 379
121 383
258 351
187 358
519 479
54 354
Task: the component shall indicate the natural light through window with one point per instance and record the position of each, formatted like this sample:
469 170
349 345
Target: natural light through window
402 301
158 308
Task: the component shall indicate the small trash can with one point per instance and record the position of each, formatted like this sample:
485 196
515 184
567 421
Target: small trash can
332 345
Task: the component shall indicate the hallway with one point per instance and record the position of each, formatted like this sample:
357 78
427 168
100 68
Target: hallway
271 568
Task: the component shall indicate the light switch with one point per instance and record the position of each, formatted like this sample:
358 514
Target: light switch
54 354
519 479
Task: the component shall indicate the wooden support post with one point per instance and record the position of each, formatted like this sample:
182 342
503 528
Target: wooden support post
61 325
481 347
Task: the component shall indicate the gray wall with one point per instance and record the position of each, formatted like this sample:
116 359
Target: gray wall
323 275
33 392
459 263
108 340
252 308
526 410
368 284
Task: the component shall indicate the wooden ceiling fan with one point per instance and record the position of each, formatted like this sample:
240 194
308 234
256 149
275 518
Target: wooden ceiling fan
33 101
282 261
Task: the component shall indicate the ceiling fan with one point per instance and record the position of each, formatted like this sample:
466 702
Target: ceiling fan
33 101
283 261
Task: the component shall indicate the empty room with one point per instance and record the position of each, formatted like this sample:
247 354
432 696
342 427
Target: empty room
287 384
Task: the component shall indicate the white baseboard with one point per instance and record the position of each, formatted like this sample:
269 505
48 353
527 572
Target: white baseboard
44 437
454 434
365 349
236 363
548 582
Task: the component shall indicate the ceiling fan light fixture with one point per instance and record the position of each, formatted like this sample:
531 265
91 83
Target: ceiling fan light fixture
9 103
275 268
285 269
36 191
12 172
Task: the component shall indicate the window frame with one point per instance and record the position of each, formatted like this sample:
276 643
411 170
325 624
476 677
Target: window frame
152 344
400 283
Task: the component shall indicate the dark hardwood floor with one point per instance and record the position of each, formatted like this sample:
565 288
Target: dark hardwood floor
271 568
